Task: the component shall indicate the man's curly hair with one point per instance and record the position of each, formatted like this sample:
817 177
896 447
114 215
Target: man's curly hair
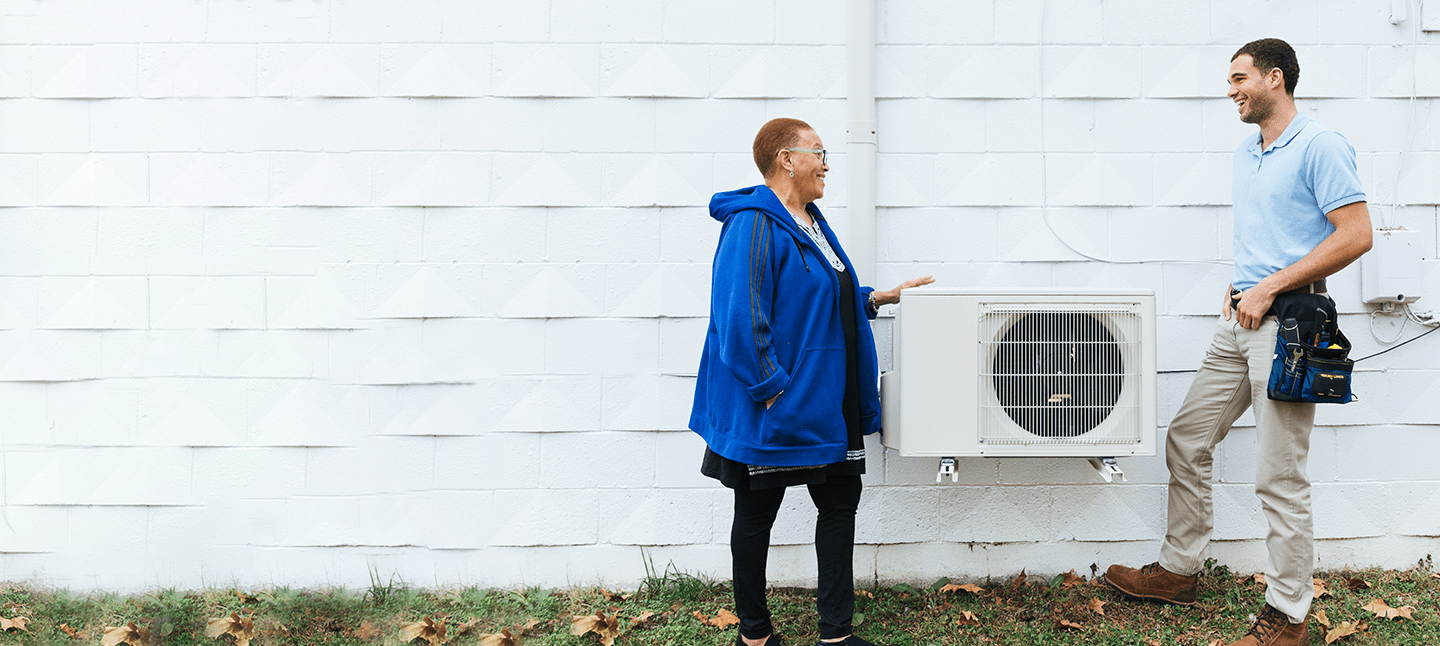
1271 53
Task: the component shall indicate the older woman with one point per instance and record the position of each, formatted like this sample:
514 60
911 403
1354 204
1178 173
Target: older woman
787 382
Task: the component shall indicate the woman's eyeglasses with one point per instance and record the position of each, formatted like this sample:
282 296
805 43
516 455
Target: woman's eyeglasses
817 151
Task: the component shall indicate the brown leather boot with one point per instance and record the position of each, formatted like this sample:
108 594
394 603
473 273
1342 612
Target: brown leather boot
1273 628
1153 583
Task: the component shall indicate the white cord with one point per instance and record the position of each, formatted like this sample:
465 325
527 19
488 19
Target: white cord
1044 175
1045 213
1385 218
1426 318
1401 332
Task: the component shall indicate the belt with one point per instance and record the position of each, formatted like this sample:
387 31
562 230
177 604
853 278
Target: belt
1317 287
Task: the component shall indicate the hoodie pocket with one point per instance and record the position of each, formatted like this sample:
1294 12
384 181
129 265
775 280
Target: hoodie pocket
809 412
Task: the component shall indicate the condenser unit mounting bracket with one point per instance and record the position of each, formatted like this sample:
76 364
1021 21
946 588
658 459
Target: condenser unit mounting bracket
947 467
1108 469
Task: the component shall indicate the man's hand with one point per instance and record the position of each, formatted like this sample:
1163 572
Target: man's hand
1351 238
1253 306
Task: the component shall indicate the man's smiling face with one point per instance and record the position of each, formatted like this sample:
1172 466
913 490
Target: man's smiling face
1251 90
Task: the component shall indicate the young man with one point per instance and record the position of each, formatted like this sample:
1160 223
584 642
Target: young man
1299 216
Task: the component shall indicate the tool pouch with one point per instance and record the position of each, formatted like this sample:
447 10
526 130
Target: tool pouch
1312 356
1305 373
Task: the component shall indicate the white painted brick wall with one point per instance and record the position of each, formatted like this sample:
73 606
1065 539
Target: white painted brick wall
280 283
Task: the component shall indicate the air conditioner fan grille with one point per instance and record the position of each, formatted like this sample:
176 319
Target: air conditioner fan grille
1058 375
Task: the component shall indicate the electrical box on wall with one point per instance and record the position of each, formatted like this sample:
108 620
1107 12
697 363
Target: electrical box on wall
1390 271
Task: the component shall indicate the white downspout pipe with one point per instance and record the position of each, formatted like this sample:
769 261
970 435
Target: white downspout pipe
860 140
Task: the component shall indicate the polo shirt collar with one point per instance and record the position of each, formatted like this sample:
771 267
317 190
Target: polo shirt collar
1296 125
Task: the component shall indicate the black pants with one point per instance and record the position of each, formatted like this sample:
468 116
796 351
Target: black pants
835 502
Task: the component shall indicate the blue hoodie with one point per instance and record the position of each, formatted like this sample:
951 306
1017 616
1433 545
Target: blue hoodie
775 326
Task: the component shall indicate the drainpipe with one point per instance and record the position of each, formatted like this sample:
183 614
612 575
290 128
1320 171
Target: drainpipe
860 139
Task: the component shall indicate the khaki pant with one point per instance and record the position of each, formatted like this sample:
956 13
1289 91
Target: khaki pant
1231 379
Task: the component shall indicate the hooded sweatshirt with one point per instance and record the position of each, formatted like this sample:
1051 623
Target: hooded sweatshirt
775 329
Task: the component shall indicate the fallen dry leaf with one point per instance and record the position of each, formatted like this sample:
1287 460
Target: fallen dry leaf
1356 583
1215 642
1096 606
428 629
644 617
1259 578
70 632
865 593
1384 611
1066 623
607 628
1321 588
1071 580
722 619
1321 618
241 628
968 587
967 618
1344 629
1019 580
465 628
616 596
17 623
127 634
246 597
502 638
505 637
366 632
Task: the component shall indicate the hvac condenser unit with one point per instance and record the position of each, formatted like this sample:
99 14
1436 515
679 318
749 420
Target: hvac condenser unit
1022 373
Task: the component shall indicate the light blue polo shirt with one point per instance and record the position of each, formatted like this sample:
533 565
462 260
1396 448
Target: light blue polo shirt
1281 196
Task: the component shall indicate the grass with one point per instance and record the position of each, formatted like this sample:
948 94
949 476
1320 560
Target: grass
1003 613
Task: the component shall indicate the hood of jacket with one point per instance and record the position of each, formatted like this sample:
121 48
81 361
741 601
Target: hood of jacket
759 198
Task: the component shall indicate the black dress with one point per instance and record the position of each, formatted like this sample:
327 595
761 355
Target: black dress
738 475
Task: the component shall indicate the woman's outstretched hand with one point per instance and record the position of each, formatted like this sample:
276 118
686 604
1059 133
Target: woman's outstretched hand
893 296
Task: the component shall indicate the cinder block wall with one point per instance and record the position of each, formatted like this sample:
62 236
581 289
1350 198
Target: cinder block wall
304 292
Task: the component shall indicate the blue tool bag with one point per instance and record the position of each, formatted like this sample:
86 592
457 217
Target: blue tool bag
1312 357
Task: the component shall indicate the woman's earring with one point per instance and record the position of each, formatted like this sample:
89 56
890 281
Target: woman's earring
792 173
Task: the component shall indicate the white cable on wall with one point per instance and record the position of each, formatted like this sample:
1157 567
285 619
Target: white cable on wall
1385 218
1044 175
